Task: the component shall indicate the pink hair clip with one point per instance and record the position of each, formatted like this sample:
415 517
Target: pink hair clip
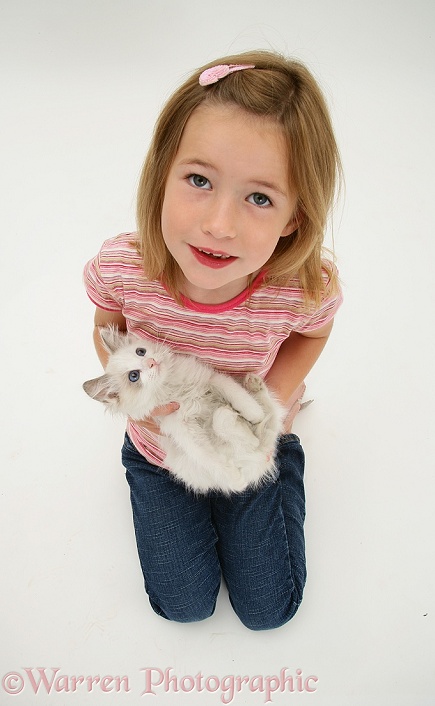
215 73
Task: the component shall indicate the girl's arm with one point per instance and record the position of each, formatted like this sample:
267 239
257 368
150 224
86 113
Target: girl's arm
294 361
104 318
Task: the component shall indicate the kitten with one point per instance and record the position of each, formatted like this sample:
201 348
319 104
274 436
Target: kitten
224 434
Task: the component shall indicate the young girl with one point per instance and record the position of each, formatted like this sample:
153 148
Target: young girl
227 265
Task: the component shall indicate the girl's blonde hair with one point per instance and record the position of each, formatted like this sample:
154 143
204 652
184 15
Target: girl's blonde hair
279 89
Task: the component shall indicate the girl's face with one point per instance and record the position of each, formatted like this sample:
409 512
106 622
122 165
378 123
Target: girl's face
227 200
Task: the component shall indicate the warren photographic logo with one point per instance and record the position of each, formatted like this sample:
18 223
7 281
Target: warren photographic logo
154 681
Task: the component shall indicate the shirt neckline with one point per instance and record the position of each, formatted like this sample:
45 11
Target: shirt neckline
225 306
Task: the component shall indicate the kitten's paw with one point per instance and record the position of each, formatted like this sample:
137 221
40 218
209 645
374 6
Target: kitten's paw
253 383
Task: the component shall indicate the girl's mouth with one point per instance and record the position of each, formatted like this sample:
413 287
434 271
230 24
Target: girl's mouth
211 258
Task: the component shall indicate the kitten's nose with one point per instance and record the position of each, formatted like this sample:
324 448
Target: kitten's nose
151 362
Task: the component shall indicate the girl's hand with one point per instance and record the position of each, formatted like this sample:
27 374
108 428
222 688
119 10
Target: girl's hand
150 423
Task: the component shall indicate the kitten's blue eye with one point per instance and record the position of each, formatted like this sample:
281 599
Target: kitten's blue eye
140 351
134 375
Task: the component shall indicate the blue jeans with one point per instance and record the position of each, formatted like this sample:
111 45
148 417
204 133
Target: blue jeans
254 539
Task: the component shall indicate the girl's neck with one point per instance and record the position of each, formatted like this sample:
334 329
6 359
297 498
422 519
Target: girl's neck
213 296
222 294
214 303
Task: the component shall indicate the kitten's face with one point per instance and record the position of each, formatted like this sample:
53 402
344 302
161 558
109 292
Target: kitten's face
134 376
134 365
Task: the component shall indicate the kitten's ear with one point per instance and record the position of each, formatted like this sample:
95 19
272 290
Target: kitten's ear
112 338
101 389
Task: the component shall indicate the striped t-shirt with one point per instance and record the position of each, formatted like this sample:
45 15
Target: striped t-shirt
239 336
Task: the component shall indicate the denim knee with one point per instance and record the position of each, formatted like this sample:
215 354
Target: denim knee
185 613
267 620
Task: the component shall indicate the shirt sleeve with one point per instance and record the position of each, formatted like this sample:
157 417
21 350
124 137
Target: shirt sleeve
328 308
103 282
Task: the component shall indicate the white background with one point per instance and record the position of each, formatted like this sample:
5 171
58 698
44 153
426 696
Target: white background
82 83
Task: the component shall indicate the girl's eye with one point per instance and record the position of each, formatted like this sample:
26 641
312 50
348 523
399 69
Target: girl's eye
259 199
134 375
140 351
199 181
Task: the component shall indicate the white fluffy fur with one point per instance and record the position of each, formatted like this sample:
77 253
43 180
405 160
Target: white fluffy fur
223 436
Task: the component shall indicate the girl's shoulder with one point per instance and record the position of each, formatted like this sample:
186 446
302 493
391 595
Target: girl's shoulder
293 287
123 247
289 302
115 278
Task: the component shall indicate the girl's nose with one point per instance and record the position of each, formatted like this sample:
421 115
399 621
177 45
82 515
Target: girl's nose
220 219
